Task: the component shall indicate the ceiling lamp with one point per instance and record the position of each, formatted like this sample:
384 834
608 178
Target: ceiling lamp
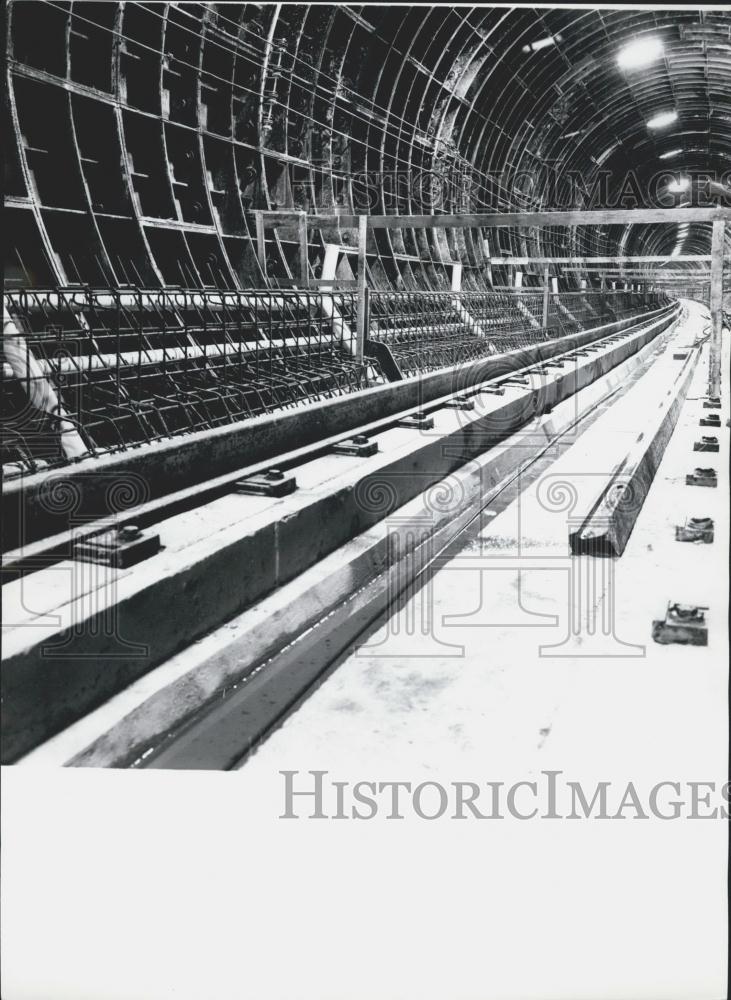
670 154
542 43
678 185
640 53
663 119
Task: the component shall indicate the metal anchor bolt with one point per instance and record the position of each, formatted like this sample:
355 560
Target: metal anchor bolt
128 533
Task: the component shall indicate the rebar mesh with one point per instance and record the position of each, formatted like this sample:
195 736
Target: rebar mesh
429 330
91 370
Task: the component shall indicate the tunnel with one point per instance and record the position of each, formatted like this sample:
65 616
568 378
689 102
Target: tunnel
146 142
144 135
364 428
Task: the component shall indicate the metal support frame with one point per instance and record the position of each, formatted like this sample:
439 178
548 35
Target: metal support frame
97 370
716 303
304 270
546 295
642 272
363 222
260 245
596 217
262 220
628 259
362 314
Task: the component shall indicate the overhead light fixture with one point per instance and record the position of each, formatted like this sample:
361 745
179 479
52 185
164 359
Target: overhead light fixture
640 53
663 119
679 185
670 154
542 43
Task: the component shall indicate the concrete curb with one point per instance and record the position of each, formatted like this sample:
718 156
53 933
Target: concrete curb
609 525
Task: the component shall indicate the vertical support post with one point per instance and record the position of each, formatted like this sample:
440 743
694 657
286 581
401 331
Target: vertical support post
362 314
714 362
304 271
546 296
261 252
488 264
456 277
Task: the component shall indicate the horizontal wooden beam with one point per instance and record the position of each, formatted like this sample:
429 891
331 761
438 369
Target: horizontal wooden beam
611 269
328 284
591 217
629 259
641 273
648 279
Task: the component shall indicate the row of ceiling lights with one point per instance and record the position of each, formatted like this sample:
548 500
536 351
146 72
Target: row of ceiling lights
636 55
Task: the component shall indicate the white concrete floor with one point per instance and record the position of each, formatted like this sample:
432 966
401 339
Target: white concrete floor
582 909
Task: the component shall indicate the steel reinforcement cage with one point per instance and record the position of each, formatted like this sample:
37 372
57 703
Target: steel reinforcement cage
90 370
429 330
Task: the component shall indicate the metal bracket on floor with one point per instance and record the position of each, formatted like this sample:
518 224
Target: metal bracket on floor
680 355
118 548
358 445
273 483
495 390
422 420
713 403
702 477
695 529
712 420
684 624
706 443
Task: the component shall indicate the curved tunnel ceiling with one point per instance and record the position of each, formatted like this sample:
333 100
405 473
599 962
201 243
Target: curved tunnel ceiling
146 134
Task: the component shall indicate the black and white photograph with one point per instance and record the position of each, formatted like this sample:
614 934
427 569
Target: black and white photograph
365 501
